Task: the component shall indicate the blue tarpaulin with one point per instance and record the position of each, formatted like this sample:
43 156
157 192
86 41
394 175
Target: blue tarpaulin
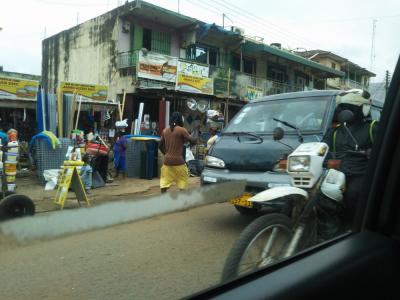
205 28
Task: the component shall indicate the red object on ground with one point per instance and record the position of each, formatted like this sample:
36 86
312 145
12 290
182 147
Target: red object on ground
96 149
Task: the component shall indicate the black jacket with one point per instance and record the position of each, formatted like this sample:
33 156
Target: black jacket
364 132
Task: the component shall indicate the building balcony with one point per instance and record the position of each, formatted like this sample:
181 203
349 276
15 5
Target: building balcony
127 59
151 73
347 84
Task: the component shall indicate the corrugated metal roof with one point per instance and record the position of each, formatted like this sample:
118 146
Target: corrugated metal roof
253 47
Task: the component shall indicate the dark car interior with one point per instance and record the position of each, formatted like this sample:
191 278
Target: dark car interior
364 263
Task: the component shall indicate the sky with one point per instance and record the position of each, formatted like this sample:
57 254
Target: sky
344 27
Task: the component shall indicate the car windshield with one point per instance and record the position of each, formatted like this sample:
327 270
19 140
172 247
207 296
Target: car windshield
308 114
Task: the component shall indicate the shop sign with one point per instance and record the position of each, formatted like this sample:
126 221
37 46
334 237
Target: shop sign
157 67
253 92
89 92
193 78
18 89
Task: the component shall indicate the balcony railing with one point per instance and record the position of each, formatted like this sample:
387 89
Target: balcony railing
127 59
351 84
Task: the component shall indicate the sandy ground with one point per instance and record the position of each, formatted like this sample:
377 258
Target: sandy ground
119 189
164 257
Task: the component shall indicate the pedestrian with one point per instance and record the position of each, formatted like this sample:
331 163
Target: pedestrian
174 169
213 136
119 154
86 173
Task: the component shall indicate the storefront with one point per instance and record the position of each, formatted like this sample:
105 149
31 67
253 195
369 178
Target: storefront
85 107
17 106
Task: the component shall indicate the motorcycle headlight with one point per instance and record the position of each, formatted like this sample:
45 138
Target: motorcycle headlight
299 164
214 162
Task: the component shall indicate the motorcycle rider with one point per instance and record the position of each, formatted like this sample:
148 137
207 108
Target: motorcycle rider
343 144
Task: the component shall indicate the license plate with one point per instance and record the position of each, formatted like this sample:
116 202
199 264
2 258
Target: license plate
243 200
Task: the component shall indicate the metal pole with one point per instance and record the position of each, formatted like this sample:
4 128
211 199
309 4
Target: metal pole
44 109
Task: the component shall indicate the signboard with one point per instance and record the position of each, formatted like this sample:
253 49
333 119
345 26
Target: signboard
18 89
70 179
253 92
157 67
89 92
193 78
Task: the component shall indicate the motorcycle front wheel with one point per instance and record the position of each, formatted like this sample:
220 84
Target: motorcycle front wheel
262 242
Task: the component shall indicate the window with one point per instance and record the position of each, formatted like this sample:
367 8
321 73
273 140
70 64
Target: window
276 74
203 54
147 39
249 64
333 65
156 41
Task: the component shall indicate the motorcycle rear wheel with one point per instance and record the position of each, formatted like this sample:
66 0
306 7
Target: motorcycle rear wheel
246 254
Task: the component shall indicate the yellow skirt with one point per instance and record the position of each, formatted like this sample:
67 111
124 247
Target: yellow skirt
178 174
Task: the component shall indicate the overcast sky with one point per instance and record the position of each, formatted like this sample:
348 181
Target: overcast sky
343 26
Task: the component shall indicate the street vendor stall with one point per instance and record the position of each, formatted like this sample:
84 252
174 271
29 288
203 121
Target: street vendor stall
17 105
87 108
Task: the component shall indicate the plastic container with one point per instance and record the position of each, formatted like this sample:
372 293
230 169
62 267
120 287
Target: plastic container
11 187
10 178
10 168
12 147
12 156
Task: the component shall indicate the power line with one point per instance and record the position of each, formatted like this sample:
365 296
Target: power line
265 22
348 20
245 22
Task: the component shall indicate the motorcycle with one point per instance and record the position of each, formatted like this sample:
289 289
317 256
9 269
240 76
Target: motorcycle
312 214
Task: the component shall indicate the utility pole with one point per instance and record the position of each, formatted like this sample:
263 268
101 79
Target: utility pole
387 81
179 7
372 58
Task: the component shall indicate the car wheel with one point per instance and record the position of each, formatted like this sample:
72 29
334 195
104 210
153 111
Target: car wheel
15 206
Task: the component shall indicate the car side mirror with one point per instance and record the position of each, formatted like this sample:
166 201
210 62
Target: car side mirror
345 116
278 134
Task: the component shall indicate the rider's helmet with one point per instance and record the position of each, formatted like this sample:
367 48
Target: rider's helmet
357 100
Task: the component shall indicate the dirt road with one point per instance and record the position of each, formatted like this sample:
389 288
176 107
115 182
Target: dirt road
165 257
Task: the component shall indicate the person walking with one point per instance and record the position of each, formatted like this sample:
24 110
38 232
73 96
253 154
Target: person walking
174 169
119 154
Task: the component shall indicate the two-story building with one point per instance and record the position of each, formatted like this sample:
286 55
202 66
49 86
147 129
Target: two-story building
355 76
169 61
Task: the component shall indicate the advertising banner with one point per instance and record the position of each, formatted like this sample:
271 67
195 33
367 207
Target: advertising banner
89 92
156 66
253 92
194 78
18 89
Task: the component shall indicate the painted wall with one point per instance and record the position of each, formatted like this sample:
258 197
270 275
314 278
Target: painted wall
84 54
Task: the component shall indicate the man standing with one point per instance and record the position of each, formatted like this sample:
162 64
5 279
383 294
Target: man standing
172 142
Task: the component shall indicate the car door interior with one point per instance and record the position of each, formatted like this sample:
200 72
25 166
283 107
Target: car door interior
365 262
